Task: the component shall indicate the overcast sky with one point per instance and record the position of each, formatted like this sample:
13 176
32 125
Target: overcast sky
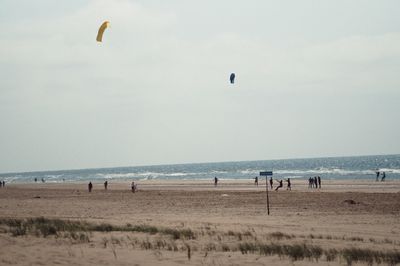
313 79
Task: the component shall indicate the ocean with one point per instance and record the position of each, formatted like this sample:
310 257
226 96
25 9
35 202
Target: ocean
358 167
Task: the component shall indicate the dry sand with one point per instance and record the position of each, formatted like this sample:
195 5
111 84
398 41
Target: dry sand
221 218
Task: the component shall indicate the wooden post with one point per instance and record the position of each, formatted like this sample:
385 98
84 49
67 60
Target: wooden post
266 185
266 174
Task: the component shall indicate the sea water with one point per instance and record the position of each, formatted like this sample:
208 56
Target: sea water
360 167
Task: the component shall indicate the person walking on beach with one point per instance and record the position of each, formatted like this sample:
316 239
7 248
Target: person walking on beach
319 181
315 182
383 177
256 181
1 183
90 186
280 184
133 187
310 181
35 179
105 185
215 181
271 182
377 176
289 184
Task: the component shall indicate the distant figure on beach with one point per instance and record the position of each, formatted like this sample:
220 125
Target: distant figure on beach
215 181
1 184
4 183
280 184
133 187
289 184
377 176
271 182
383 177
310 180
256 181
90 186
35 179
319 181
315 182
105 185
43 180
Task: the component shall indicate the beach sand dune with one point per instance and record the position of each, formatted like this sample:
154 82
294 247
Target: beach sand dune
212 225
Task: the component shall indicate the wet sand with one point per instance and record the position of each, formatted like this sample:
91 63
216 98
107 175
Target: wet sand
343 214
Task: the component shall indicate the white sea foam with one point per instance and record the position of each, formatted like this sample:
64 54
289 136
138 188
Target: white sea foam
335 168
249 172
390 170
320 171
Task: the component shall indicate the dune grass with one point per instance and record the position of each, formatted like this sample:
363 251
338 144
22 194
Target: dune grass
246 241
45 227
304 251
295 251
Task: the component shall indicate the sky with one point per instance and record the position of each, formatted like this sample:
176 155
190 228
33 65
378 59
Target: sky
313 79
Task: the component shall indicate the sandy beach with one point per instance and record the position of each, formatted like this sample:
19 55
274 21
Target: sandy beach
195 223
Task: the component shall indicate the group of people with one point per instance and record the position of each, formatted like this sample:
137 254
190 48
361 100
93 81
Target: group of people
271 183
378 173
43 181
133 186
314 182
2 184
280 182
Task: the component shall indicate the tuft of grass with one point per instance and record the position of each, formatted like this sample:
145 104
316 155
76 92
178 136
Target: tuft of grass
84 238
247 248
387 241
179 234
358 255
356 238
172 232
146 244
239 235
141 228
225 248
101 228
370 256
248 234
280 235
18 231
210 247
331 254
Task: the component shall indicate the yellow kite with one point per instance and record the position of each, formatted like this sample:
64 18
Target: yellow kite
102 28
